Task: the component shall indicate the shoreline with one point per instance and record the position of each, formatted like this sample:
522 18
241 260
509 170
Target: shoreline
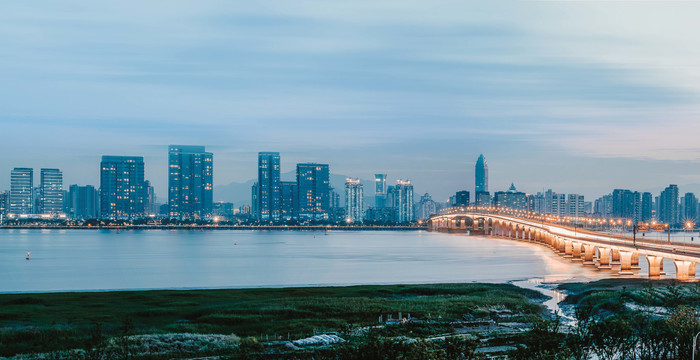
216 227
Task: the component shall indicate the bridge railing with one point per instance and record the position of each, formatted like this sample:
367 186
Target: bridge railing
622 227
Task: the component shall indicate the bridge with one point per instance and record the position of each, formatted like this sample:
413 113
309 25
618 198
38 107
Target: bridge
590 248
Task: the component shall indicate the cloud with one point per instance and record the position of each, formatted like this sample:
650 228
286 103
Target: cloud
313 78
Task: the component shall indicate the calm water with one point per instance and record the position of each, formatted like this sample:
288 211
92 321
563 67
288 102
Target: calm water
67 260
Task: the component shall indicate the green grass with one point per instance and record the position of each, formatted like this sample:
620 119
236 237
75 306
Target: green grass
66 319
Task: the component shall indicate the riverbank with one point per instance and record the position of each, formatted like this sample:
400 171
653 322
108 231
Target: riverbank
34 323
218 227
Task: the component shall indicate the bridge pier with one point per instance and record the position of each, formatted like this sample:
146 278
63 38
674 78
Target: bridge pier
604 258
656 264
615 257
588 254
568 249
685 270
561 245
635 261
626 263
576 251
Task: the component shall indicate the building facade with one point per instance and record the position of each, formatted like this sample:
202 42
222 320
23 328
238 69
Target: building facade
22 191
51 192
481 174
511 199
313 186
462 198
268 187
576 205
668 205
289 200
354 205
83 202
380 191
190 182
647 207
400 197
122 187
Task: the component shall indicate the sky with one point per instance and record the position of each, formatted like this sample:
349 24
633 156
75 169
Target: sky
577 96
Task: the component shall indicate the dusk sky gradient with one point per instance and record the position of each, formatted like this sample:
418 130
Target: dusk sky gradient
577 96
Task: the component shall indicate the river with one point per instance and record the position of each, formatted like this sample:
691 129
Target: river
84 260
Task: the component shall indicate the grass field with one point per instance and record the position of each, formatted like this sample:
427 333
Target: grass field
56 321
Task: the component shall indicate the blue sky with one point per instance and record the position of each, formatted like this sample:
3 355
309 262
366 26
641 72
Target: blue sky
579 96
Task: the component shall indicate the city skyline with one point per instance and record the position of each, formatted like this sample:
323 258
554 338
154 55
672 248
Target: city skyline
607 113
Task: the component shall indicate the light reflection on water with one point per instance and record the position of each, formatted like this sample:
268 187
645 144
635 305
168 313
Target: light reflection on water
74 260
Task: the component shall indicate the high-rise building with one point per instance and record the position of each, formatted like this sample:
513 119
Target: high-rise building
647 207
380 191
603 206
690 207
668 205
482 199
426 207
122 187
254 194
481 172
576 206
313 186
511 199
289 200
83 202
269 188
354 196
627 204
462 198
151 208
559 205
538 203
400 197
51 192
4 205
190 182
21 191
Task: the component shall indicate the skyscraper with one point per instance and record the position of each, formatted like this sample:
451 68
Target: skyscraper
190 182
313 186
83 202
21 188
4 204
462 198
269 189
400 197
559 205
481 173
668 205
122 192
353 200
690 207
288 201
380 191
51 188
576 205
646 206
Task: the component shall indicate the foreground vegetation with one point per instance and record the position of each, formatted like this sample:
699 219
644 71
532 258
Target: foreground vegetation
620 319
615 319
102 323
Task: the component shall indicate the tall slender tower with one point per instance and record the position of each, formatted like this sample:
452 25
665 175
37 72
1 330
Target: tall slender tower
481 173
380 191
353 200
269 188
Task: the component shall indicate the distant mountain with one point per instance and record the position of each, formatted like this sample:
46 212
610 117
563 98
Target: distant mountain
239 193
